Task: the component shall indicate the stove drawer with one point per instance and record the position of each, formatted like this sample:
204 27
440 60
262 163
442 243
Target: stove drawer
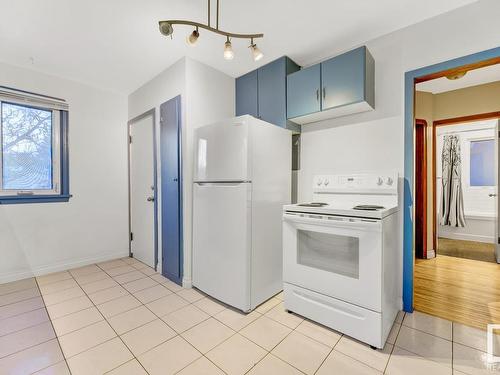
362 324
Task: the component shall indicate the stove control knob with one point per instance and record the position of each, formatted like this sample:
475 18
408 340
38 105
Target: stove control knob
326 182
389 181
380 181
319 182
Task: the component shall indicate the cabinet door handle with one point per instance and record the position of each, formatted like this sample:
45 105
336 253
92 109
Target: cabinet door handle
317 95
324 92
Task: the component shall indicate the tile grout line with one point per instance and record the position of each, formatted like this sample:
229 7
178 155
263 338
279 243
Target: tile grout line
54 330
176 333
159 317
22 300
189 303
116 333
22 329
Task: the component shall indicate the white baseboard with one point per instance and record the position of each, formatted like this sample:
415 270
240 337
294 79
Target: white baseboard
468 237
62 266
431 254
187 282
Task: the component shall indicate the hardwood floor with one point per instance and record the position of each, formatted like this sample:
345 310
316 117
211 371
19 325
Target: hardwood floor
467 249
461 290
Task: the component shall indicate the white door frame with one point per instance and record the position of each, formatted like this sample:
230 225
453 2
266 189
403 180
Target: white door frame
152 113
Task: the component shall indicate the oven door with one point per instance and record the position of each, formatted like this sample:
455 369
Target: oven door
337 256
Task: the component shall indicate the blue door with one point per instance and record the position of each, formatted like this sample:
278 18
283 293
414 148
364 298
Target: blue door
303 92
246 95
171 189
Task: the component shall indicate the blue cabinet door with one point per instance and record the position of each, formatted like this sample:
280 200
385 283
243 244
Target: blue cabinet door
272 92
247 94
343 79
303 92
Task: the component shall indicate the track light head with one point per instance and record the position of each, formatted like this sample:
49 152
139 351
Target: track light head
166 28
193 37
228 50
256 52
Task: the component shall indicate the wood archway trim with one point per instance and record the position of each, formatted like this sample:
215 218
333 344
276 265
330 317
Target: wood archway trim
421 171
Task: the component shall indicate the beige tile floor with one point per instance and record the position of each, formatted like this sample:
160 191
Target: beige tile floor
120 317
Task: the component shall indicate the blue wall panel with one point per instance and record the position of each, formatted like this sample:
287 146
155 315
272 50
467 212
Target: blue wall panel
171 188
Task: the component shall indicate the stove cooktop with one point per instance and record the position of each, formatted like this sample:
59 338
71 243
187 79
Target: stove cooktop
343 208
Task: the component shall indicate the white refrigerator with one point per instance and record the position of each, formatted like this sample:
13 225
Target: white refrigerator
242 179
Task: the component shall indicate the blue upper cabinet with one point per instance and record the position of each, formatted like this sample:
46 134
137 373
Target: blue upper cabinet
303 95
272 92
262 93
246 95
347 86
344 79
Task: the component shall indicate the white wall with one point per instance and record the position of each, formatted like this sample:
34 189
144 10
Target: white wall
480 209
207 95
92 226
375 140
210 98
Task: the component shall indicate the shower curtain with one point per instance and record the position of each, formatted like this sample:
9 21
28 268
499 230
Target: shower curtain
452 200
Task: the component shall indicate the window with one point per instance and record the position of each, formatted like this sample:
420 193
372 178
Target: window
482 163
33 148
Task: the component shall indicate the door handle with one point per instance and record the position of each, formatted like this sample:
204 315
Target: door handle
150 199
317 95
324 92
175 179
492 195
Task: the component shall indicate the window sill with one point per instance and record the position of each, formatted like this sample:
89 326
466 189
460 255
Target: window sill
34 199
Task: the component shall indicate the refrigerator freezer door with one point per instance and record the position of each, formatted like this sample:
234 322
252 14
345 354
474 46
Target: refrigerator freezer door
222 241
221 152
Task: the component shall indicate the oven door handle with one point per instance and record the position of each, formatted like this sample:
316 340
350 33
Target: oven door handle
333 221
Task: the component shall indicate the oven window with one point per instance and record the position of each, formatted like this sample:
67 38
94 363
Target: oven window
329 252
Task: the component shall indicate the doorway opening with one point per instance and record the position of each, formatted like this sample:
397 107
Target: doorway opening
456 131
143 228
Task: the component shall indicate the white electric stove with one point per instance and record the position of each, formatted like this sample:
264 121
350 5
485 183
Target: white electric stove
341 255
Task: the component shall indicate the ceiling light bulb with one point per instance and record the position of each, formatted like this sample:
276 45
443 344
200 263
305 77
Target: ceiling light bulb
193 38
256 52
228 50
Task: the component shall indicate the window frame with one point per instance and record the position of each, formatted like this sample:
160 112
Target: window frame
469 161
60 155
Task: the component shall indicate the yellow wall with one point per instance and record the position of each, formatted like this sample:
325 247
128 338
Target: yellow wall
457 103
469 101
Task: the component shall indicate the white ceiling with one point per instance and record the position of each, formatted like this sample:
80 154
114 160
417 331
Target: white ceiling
472 78
115 44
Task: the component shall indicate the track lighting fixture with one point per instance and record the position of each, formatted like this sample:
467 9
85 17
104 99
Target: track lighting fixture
166 28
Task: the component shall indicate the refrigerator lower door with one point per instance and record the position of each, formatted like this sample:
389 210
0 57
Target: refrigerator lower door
222 241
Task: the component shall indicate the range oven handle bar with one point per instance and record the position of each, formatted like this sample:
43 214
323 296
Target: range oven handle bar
333 221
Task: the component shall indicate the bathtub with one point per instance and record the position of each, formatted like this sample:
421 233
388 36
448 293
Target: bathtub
479 226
